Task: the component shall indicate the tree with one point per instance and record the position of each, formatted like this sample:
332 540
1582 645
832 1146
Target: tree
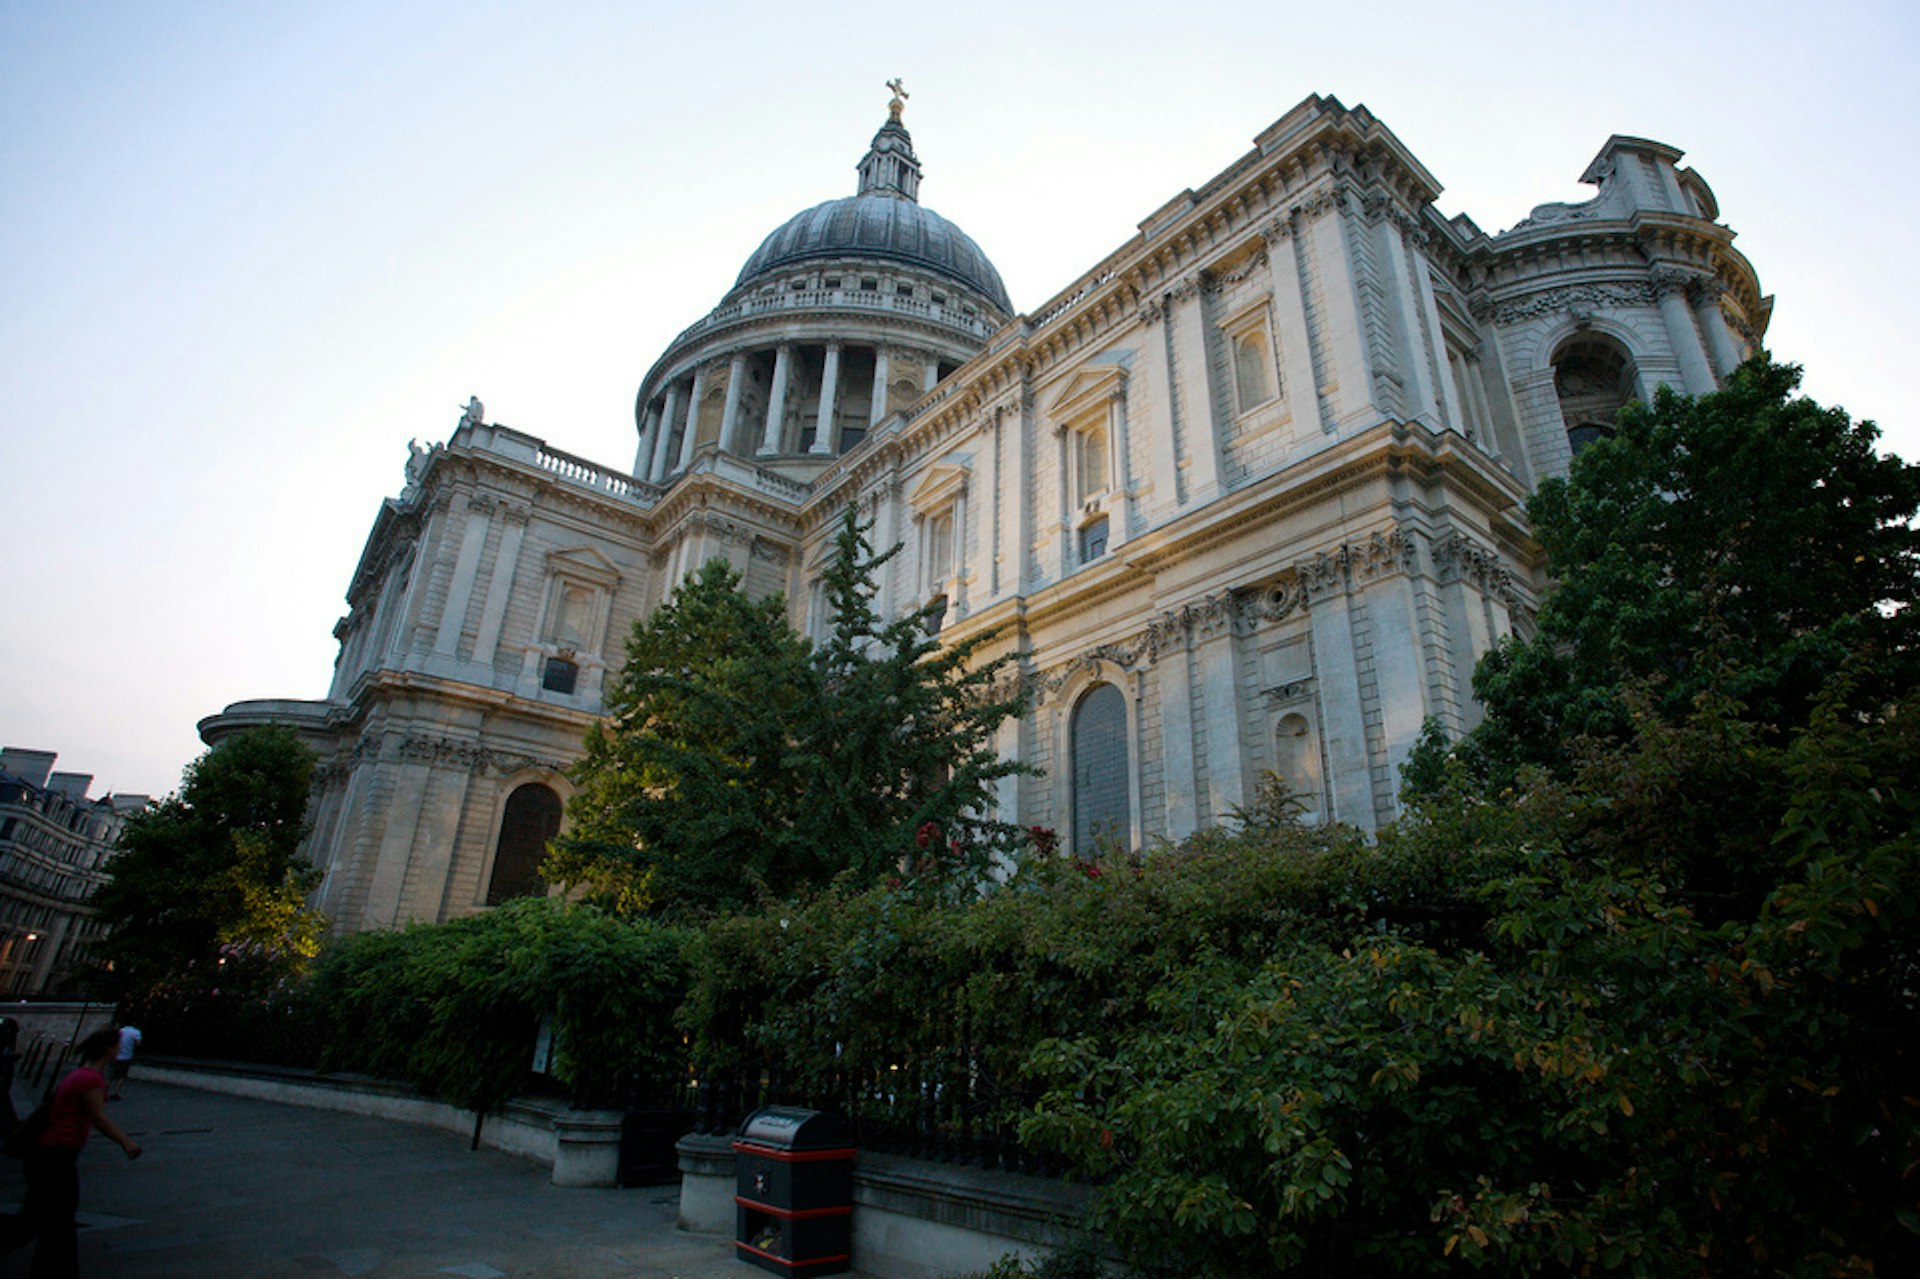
688 797
739 763
903 743
1747 542
208 889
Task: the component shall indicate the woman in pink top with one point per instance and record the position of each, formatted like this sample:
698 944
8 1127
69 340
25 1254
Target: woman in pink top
53 1182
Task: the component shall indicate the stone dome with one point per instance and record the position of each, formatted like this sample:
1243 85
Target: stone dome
879 225
883 220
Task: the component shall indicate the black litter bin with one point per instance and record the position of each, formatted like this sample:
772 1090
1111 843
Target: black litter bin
793 1194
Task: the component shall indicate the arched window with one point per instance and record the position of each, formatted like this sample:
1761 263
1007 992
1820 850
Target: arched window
1100 771
1593 377
532 817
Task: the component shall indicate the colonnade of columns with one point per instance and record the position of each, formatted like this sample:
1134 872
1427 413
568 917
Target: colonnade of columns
670 428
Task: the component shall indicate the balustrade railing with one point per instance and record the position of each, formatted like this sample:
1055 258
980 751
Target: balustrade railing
593 475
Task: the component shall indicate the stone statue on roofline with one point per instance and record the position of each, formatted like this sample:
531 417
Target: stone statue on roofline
475 414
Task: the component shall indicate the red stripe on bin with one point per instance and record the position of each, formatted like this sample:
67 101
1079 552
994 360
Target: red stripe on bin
794 1214
791 1156
789 1262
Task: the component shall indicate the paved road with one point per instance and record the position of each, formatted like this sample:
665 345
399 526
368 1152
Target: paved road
236 1189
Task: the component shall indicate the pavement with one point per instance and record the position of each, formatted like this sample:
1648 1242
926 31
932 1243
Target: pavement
232 1188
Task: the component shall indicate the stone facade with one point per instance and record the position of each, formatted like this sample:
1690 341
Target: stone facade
54 846
1245 496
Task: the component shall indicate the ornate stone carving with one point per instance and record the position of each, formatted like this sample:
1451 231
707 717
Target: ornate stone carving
423 749
1667 279
1356 563
1556 301
1458 558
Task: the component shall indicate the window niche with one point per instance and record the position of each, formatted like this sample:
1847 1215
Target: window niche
1090 419
1593 376
1252 366
571 632
939 505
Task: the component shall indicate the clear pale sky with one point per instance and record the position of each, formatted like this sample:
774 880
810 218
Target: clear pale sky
248 251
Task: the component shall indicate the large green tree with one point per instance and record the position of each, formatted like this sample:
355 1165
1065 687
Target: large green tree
903 739
1749 543
208 889
688 795
741 763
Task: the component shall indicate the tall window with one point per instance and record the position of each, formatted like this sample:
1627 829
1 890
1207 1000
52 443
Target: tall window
940 547
1090 462
532 817
1100 772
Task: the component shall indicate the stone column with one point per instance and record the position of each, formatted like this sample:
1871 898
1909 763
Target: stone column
930 374
730 415
823 434
1713 322
643 458
693 419
770 441
879 409
664 435
1670 287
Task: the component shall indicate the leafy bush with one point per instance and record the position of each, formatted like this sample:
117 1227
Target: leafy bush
455 1008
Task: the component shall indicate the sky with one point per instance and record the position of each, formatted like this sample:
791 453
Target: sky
248 251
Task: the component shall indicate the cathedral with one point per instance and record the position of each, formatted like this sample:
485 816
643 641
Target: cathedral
1247 494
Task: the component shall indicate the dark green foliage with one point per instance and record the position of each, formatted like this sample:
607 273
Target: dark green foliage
206 892
455 1008
688 798
741 765
1595 1076
902 739
1748 542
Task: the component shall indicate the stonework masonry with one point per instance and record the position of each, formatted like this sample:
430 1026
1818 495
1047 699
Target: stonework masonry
1245 497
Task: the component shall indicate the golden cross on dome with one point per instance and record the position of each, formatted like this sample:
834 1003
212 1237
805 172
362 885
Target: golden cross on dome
900 96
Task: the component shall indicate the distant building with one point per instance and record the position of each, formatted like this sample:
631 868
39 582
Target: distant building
54 844
1245 496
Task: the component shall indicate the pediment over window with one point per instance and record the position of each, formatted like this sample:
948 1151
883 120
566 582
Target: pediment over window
1091 388
943 482
584 564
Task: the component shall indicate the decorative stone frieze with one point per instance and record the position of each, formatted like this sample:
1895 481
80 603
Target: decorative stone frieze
1567 299
424 749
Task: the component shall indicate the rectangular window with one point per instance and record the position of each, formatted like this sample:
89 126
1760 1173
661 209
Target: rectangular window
559 676
1093 540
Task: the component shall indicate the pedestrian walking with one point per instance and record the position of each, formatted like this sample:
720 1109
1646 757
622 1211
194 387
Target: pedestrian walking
77 1107
123 1061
